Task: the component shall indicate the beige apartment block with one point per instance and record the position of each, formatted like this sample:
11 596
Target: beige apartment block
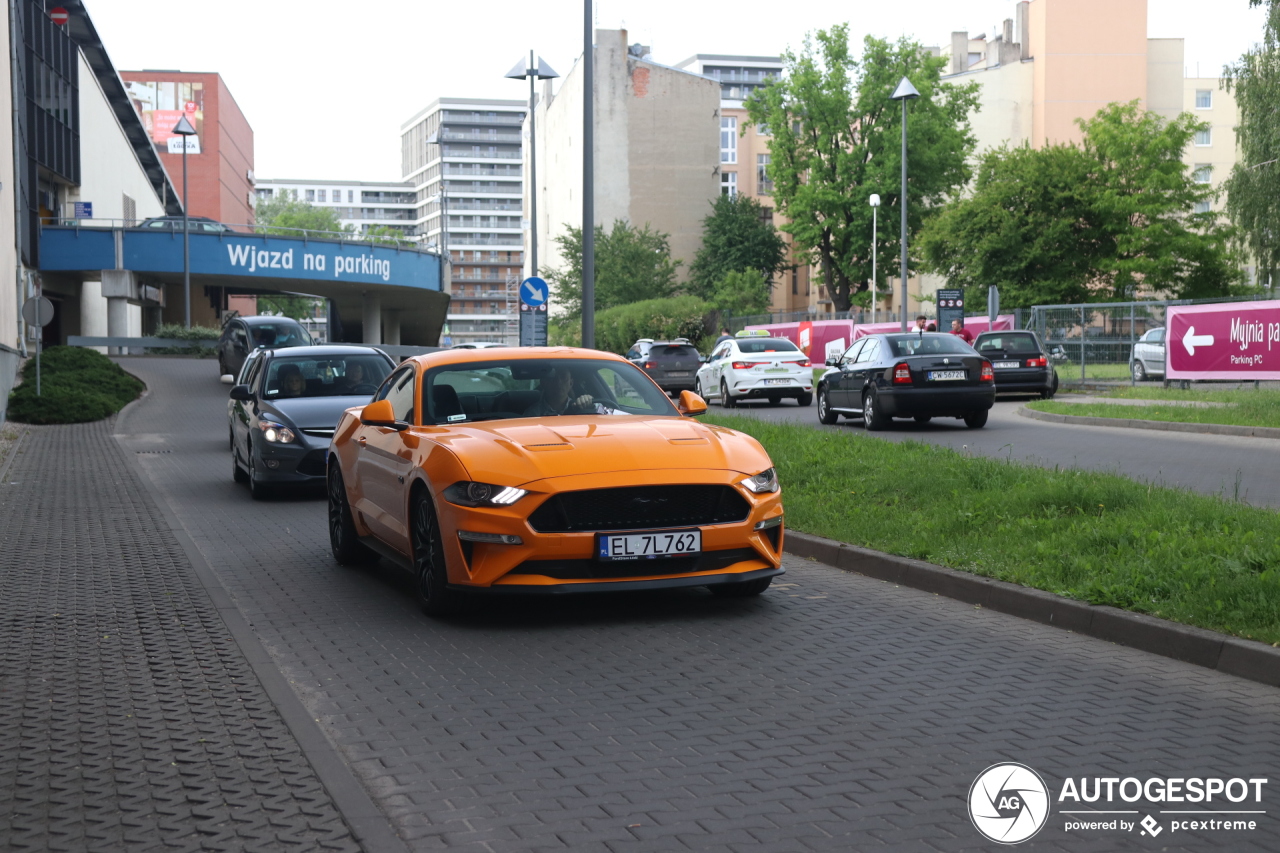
656 134
1214 152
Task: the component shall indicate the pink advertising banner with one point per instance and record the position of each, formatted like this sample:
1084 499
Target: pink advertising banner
813 336
1226 340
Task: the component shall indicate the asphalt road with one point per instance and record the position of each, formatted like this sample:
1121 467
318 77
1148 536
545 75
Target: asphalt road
1247 468
833 713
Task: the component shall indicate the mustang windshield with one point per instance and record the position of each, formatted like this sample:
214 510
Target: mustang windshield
539 388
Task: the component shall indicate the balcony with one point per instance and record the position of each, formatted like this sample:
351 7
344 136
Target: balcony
485 239
467 118
482 171
455 136
472 189
482 155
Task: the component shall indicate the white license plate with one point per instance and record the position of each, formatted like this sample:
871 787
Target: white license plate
648 546
946 375
777 382
679 373
1001 365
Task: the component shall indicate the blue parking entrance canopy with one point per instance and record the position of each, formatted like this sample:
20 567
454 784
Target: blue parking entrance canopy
534 291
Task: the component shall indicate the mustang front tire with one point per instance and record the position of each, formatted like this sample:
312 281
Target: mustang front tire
431 579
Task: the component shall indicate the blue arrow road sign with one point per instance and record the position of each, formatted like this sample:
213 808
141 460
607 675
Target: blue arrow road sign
534 291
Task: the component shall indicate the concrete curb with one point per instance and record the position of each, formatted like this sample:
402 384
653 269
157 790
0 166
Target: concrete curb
1233 656
1136 423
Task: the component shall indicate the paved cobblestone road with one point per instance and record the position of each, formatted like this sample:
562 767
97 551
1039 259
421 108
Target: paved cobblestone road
835 713
130 720
1209 464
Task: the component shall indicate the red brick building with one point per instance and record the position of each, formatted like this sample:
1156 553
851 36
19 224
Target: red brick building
219 157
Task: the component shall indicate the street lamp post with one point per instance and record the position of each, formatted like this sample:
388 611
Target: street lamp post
875 209
184 129
534 71
588 181
904 93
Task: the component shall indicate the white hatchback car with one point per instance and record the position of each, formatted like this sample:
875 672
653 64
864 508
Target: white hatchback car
756 366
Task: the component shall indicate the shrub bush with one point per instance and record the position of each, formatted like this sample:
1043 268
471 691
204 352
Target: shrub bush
177 331
76 384
661 319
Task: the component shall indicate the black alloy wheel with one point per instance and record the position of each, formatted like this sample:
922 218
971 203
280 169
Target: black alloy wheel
872 418
825 415
1138 370
1053 388
431 578
976 420
741 589
344 540
725 400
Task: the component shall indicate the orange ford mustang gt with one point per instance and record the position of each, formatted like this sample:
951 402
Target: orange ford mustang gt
539 470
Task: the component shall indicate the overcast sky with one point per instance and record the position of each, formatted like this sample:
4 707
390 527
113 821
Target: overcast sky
326 84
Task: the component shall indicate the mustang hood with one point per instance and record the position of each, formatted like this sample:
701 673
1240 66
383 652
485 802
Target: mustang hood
514 452
313 412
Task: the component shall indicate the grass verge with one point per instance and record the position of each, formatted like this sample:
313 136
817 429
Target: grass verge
1244 408
1096 537
76 385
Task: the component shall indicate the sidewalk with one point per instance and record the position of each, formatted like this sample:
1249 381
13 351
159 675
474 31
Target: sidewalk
129 717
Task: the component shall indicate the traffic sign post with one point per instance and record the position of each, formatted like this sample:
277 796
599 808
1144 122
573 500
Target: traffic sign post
950 307
1224 340
533 325
37 311
534 291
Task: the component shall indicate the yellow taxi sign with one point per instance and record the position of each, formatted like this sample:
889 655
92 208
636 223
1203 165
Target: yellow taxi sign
753 333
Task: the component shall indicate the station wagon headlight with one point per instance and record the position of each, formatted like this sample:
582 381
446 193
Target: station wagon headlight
765 481
276 433
467 493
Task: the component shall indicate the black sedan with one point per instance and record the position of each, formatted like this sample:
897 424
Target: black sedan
1020 361
283 413
922 376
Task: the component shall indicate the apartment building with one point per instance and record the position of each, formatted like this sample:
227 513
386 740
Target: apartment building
744 154
463 159
360 204
1213 152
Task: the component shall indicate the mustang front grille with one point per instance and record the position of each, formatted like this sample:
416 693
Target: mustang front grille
639 508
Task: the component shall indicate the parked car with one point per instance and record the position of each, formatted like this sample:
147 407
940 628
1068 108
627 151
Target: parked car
920 376
479 345
639 350
283 411
672 364
753 365
1020 361
200 224
242 335
575 474
1147 359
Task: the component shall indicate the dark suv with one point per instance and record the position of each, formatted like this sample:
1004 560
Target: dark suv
672 364
243 335
1020 361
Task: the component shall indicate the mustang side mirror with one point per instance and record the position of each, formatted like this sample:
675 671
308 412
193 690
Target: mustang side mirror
691 405
241 392
379 414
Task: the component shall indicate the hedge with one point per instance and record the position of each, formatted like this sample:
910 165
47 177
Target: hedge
76 384
661 319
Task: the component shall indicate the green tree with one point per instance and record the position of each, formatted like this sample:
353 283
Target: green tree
836 139
1093 222
632 264
741 292
1253 188
284 214
388 235
737 235
297 307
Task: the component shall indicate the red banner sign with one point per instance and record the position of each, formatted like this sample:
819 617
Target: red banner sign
1226 340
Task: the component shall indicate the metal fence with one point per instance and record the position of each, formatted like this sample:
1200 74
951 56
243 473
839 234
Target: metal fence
1094 342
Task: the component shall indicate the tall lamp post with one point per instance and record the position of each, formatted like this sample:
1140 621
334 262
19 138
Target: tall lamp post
875 209
588 181
904 93
184 129
535 71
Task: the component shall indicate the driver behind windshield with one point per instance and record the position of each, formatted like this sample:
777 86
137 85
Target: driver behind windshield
291 381
354 376
556 388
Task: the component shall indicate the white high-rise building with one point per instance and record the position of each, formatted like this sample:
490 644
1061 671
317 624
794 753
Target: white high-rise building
362 204
462 156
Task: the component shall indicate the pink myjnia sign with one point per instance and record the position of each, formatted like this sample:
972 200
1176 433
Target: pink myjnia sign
1225 340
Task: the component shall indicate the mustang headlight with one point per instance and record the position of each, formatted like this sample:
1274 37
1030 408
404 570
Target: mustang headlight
765 481
467 493
276 433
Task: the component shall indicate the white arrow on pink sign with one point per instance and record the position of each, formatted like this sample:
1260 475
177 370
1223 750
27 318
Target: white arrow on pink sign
1224 340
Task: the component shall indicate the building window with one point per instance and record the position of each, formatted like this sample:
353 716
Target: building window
729 184
351 196
322 195
1204 137
1202 207
795 280
764 184
1204 99
311 195
728 140
762 130
1203 173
